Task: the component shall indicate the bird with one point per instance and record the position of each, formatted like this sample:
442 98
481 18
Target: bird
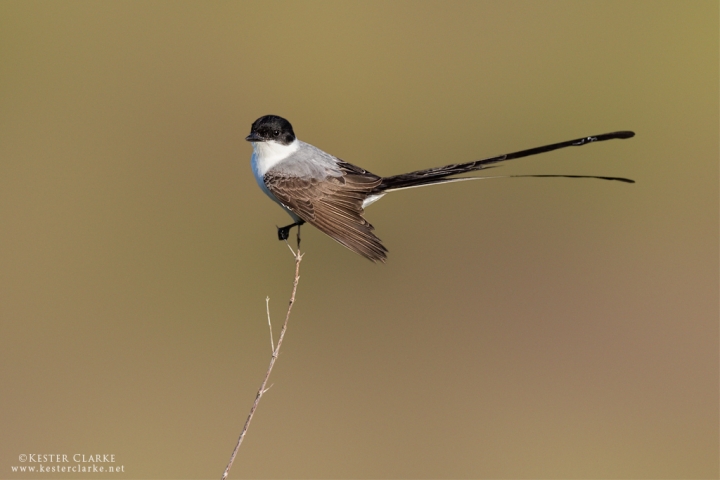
318 188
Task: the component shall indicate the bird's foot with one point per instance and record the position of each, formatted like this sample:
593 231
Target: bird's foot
284 232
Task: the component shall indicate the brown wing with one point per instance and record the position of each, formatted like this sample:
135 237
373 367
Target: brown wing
333 205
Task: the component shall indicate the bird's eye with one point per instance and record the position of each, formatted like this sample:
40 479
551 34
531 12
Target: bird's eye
276 132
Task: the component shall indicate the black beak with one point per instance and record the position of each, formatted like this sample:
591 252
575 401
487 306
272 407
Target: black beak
254 137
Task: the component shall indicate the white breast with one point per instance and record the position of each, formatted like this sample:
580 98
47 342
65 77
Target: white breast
268 154
265 156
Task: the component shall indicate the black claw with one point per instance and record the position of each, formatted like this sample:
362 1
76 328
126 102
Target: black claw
284 232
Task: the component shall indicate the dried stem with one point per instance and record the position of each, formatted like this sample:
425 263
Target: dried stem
267 309
275 353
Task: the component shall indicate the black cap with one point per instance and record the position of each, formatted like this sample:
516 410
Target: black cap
271 127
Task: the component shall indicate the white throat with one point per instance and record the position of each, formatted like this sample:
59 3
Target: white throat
268 154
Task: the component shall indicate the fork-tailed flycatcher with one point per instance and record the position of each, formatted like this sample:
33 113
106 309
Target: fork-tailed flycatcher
331 194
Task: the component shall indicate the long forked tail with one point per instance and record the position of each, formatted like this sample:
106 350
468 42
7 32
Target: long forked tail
437 175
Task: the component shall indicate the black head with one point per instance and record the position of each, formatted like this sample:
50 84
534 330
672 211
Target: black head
271 127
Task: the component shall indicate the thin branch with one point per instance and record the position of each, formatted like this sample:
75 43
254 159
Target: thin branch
267 309
293 251
275 353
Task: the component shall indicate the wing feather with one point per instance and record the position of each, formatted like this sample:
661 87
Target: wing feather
333 205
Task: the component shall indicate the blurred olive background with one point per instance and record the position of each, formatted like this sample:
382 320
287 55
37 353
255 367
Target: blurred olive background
522 328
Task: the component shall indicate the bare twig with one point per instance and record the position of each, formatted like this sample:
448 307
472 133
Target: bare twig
275 353
267 308
293 251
